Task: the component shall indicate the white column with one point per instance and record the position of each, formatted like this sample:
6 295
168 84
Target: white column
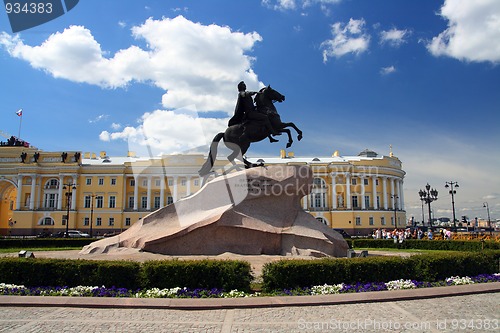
362 181
73 194
33 188
304 202
162 191
393 193
60 193
174 195
384 189
374 192
39 195
348 191
398 188
401 196
148 204
19 191
136 191
334 191
188 186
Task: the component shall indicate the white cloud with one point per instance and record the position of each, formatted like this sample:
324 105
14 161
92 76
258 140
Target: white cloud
116 126
168 132
387 70
393 37
349 38
194 63
473 31
99 118
294 4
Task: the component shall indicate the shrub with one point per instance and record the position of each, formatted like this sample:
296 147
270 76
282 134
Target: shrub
225 274
295 273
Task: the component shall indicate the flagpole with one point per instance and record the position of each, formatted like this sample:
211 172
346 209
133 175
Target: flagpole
20 123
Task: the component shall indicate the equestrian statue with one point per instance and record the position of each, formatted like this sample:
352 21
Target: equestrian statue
250 123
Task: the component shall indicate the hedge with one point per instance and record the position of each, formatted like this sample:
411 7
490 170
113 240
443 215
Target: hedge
295 273
34 272
19 243
425 244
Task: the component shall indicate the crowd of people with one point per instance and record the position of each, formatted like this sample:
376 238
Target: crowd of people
14 141
399 235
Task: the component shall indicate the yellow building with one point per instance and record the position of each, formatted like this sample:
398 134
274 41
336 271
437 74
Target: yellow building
39 189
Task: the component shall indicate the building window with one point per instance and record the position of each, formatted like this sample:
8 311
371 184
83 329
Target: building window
157 202
86 221
370 220
50 200
86 201
382 220
144 182
354 181
111 221
132 182
157 182
355 201
88 181
319 183
98 221
144 202
376 182
322 220
112 201
196 182
367 201
392 220
127 221
365 181
130 202
99 201
100 181
170 182
378 202
46 221
183 182
170 200
358 220
113 181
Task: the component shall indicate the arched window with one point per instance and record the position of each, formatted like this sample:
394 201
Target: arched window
319 183
46 221
322 220
52 184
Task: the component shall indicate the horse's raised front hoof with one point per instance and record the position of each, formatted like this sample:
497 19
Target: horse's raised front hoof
299 137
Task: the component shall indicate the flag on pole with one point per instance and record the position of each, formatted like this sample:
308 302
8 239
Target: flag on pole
19 112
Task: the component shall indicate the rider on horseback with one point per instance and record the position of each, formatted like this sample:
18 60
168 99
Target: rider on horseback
245 110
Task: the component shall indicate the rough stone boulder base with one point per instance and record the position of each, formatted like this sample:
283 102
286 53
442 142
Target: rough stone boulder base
254 211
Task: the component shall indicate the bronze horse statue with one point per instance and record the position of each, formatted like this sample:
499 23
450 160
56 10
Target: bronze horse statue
239 137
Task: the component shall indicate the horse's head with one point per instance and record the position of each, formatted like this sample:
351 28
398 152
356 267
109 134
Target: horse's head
272 94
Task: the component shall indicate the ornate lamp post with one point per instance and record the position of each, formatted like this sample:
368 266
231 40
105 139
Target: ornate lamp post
427 196
453 185
69 193
485 205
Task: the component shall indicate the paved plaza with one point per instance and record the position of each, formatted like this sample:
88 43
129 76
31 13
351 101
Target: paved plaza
473 308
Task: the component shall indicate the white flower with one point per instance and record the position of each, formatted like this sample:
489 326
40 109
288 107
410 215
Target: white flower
327 289
457 280
400 284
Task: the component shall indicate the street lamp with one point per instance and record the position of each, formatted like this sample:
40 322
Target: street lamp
485 205
427 196
452 192
69 193
394 197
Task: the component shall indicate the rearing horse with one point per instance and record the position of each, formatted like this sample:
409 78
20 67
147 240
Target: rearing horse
239 137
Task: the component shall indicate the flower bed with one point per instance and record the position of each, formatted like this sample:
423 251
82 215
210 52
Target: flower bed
83 291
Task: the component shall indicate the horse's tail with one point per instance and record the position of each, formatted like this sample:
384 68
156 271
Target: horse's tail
212 154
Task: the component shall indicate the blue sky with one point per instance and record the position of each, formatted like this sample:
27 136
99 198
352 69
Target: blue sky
422 76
